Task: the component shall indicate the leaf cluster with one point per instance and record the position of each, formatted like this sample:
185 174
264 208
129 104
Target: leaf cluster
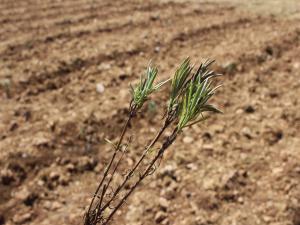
190 92
145 87
196 95
179 82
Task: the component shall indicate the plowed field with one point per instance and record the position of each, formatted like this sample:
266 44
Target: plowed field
242 167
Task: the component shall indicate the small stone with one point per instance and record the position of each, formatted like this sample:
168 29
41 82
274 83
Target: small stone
192 166
98 168
273 136
70 167
170 192
297 169
41 183
41 141
277 170
267 219
240 199
296 65
194 208
54 175
157 49
129 161
152 129
246 132
160 216
169 171
56 205
208 183
64 179
104 66
167 133
239 111
100 88
52 205
21 219
188 140
165 222
47 204
164 204
86 164
208 147
22 194
217 128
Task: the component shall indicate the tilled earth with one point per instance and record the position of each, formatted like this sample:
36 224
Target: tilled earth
242 167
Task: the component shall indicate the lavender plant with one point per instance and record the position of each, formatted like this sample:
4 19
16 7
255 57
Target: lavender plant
189 98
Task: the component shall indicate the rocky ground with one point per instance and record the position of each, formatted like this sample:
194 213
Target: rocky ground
65 71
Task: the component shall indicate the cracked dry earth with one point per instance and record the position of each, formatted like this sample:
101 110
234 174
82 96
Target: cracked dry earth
240 168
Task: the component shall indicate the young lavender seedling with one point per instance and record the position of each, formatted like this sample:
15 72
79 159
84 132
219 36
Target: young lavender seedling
189 99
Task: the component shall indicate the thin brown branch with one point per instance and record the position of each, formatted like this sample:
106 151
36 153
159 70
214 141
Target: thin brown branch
130 116
128 176
160 153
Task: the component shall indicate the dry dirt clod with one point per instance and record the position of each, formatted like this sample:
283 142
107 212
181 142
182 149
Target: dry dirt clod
273 136
164 204
207 147
230 67
52 205
54 176
104 66
26 196
188 140
64 179
192 166
70 167
86 164
169 171
170 191
56 205
123 76
22 218
7 177
249 109
159 217
247 132
154 17
13 126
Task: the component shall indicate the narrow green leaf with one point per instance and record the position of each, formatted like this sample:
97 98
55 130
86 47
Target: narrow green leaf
110 142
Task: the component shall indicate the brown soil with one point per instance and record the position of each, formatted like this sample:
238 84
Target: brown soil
242 167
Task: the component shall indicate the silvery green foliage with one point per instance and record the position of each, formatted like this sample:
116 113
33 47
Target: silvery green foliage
190 92
196 95
145 87
178 82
